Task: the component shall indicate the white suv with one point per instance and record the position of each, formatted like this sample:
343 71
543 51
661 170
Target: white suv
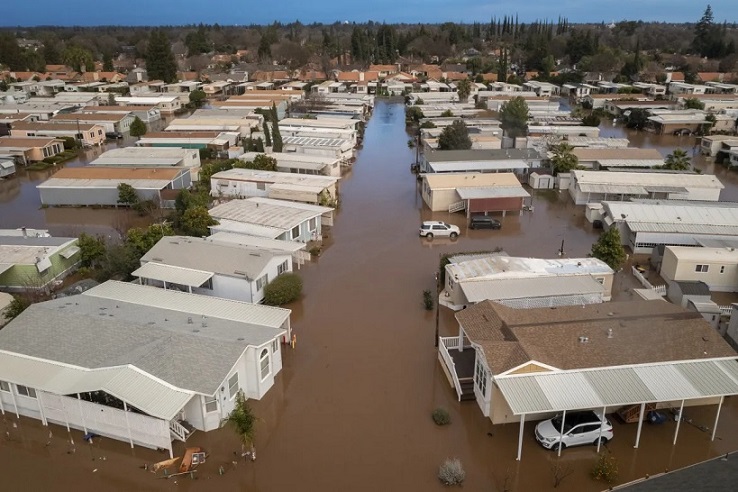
579 428
432 228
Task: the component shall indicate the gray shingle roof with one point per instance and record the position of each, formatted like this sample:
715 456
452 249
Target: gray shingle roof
193 353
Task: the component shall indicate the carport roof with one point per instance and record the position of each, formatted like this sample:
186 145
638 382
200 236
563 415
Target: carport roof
618 386
480 192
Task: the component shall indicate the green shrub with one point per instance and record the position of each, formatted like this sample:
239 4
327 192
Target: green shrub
441 416
428 300
283 289
451 472
606 468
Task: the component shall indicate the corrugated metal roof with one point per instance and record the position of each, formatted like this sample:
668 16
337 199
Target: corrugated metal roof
258 242
618 386
256 314
316 142
131 385
530 287
172 274
479 192
461 166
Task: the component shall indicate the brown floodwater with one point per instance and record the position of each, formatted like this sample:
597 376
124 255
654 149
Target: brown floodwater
350 410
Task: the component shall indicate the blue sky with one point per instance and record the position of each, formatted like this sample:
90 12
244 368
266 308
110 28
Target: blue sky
241 12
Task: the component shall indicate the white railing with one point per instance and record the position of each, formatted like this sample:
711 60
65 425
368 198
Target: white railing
178 430
446 343
726 310
659 289
455 207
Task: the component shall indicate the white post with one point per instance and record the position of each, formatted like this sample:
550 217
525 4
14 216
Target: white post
81 413
599 439
461 339
561 433
128 425
717 417
2 408
676 432
66 416
41 408
640 424
171 453
15 403
520 437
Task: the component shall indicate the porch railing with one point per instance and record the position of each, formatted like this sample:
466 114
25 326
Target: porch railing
726 310
443 348
457 206
178 431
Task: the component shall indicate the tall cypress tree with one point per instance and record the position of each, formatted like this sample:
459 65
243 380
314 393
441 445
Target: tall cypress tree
267 136
160 62
276 136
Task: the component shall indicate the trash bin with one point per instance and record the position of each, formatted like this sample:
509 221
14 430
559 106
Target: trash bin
655 417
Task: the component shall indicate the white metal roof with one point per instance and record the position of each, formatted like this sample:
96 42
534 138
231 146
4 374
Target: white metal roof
529 287
618 386
172 274
690 217
128 383
256 314
316 142
471 193
645 179
258 242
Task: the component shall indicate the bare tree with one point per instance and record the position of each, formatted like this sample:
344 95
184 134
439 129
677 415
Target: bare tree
560 472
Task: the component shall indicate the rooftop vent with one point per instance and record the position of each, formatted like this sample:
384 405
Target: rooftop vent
609 333
239 272
583 339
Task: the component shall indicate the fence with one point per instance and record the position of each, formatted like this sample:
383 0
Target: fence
660 289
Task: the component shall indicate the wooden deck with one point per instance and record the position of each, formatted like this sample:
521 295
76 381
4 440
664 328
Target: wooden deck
464 362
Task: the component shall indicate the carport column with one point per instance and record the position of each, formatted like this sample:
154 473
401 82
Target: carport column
561 433
520 437
461 338
128 425
599 439
81 414
676 432
15 403
640 424
717 417
2 408
41 407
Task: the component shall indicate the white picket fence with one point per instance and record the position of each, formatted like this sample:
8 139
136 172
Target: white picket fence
660 289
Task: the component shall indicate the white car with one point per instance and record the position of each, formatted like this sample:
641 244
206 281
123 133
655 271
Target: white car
579 428
432 228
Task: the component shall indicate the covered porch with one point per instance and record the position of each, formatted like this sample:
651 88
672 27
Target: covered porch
457 357
172 277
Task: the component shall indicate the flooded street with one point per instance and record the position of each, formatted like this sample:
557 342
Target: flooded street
351 409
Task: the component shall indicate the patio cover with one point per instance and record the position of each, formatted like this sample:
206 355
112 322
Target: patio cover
619 386
173 274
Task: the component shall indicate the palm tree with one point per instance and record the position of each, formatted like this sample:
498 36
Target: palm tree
563 159
243 420
678 161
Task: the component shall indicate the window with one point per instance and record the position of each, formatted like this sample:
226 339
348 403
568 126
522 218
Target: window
600 280
480 378
722 269
264 363
233 385
702 268
26 391
261 186
4 386
275 346
261 282
211 404
295 232
283 267
313 224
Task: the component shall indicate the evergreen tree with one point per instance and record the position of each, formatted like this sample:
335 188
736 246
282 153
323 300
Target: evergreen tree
138 127
514 117
276 135
267 135
455 137
108 63
10 53
160 62
609 249
78 58
51 52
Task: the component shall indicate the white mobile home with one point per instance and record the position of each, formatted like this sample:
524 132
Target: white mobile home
206 350
273 219
596 186
242 183
716 267
323 147
302 163
198 266
150 157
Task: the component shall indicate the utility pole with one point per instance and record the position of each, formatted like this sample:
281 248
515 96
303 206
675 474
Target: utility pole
438 291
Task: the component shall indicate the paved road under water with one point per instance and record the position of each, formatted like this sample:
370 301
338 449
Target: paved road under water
351 409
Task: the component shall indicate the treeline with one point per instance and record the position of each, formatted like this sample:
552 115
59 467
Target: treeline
537 45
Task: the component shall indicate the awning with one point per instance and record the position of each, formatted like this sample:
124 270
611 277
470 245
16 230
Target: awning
619 386
4 267
480 192
173 274
69 252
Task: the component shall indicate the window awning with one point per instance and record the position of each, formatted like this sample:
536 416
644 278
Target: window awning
69 252
173 274
618 386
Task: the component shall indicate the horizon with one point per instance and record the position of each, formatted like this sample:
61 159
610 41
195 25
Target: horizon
141 13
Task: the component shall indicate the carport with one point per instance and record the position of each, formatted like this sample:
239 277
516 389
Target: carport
485 199
615 387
